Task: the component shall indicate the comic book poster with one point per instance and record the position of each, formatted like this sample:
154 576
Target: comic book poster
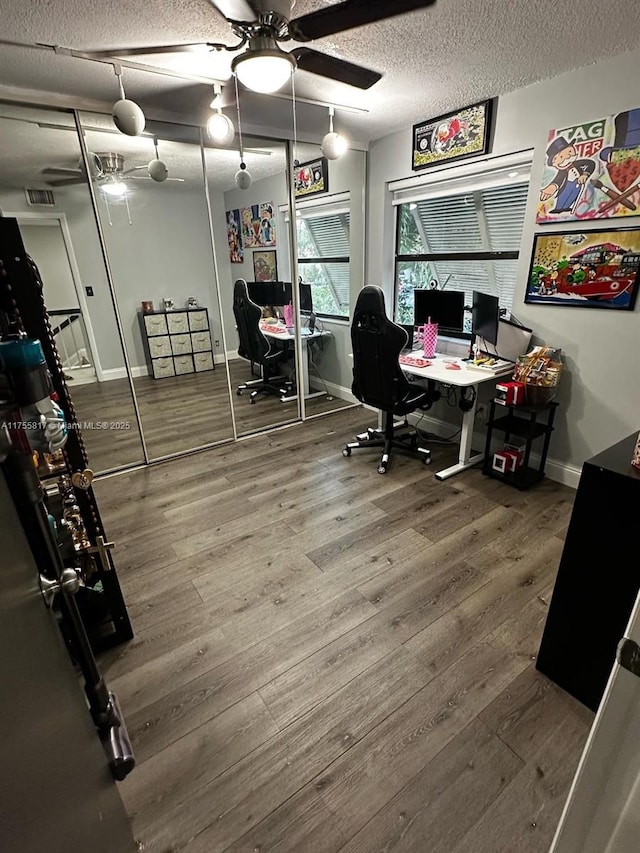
267 224
250 222
592 170
234 236
594 269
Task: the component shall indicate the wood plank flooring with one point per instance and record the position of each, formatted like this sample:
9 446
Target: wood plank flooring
178 413
328 660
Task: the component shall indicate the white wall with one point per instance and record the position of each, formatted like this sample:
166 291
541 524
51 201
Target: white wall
600 392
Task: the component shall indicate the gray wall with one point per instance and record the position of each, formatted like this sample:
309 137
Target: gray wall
599 393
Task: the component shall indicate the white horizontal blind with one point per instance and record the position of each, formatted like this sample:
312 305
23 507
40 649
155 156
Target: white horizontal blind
327 236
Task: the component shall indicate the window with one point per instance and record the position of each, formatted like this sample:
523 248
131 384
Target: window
323 257
460 234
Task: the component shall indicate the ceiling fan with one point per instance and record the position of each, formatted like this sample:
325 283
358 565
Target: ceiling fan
107 170
263 66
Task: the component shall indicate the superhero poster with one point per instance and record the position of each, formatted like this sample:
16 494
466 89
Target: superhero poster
449 137
592 170
258 226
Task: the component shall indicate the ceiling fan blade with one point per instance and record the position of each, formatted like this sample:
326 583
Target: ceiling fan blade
65 182
150 50
349 14
54 170
235 10
336 69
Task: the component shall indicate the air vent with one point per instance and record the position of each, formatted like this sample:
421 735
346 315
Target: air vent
43 198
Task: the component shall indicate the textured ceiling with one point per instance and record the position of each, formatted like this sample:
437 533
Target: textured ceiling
454 53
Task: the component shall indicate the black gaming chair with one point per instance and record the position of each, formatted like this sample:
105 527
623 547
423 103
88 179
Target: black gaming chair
254 346
379 381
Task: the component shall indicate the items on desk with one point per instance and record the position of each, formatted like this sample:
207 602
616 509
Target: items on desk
414 361
635 460
510 393
288 314
429 335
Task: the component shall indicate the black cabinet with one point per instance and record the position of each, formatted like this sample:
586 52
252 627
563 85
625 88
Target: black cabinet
598 578
521 422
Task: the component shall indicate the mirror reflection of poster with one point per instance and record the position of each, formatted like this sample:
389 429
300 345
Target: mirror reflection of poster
592 170
594 269
258 225
236 252
265 267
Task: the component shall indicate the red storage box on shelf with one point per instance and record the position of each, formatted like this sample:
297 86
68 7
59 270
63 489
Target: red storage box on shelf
510 393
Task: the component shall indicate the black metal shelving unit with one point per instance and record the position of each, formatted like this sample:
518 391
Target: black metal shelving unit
521 422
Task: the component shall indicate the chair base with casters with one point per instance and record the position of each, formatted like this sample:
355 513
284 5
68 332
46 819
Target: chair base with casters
398 435
264 385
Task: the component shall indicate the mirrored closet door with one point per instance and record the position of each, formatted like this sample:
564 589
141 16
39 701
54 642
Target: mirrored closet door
250 227
152 206
330 199
43 184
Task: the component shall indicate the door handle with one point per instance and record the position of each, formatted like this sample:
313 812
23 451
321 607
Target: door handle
69 583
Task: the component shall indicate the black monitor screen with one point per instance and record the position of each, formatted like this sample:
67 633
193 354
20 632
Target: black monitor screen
267 292
306 299
444 307
485 313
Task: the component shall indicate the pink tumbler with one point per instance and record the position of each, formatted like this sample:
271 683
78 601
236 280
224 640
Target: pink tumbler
429 339
288 315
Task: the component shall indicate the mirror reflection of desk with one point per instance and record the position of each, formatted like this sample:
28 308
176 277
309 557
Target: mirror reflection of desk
278 331
177 342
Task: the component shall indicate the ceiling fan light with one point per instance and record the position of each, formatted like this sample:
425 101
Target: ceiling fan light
118 189
334 145
264 70
220 129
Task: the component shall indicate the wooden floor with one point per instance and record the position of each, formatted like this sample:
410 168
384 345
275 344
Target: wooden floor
328 660
178 413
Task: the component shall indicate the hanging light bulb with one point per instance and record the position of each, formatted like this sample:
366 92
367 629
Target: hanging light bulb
264 66
219 126
243 177
333 145
157 168
127 115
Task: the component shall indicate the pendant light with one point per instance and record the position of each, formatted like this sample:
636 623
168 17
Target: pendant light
219 126
264 67
157 168
333 145
127 115
243 176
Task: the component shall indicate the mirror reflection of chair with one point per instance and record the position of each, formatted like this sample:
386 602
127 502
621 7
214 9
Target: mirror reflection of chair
254 346
379 381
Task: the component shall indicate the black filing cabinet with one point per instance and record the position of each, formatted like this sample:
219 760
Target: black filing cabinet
598 578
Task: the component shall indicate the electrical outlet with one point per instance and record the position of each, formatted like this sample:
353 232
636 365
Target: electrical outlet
482 412
216 343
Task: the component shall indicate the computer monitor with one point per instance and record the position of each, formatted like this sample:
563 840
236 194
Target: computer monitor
265 293
444 307
306 298
485 313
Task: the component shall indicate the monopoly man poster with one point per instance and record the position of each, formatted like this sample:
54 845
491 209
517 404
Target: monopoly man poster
592 170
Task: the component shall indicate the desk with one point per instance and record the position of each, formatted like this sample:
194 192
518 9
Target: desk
466 377
276 331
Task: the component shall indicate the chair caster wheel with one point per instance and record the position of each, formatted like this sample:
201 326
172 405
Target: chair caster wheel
239 393
346 451
427 461
252 401
382 469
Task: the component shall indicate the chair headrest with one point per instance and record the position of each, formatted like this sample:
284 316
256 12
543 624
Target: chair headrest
370 301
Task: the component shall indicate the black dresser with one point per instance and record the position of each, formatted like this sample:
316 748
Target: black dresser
598 578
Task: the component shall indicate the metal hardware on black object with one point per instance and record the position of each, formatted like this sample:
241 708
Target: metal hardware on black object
117 743
69 583
628 655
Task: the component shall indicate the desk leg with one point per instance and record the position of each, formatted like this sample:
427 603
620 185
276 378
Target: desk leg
465 459
308 393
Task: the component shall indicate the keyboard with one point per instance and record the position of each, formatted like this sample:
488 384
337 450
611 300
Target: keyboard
414 360
273 328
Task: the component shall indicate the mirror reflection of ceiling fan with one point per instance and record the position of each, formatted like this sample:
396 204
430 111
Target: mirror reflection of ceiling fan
263 66
108 172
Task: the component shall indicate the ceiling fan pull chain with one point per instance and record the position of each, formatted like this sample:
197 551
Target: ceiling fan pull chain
296 161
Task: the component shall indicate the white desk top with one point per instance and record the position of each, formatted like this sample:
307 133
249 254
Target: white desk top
280 332
441 371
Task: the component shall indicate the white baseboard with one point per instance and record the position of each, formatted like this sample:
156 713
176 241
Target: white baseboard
121 373
332 389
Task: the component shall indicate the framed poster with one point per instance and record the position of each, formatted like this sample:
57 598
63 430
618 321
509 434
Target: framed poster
265 266
594 269
462 133
236 252
311 178
592 170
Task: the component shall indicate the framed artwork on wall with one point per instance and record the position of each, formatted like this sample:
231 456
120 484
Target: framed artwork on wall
593 269
265 266
462 133
592 170
311 178
234 236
